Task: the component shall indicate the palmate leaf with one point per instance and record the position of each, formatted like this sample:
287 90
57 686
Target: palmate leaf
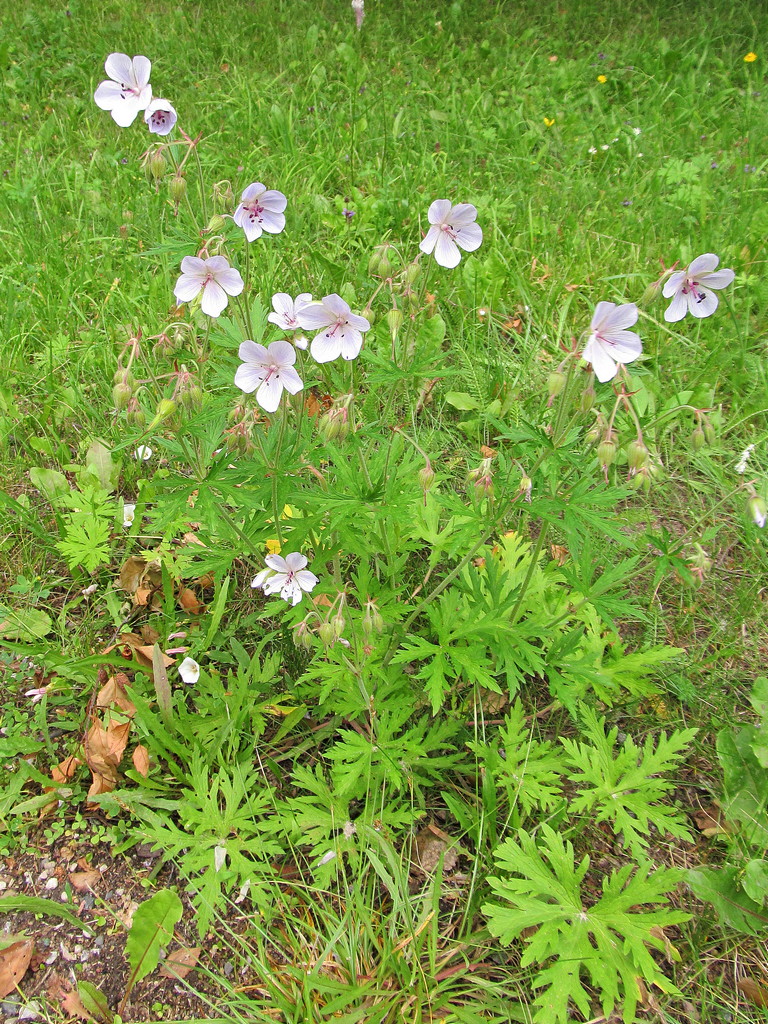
605 945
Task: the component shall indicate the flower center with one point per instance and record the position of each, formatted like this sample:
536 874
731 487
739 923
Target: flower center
691 287
126 90
340 322
450 230
158 118
255 210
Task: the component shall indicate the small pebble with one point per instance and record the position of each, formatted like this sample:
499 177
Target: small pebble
52 883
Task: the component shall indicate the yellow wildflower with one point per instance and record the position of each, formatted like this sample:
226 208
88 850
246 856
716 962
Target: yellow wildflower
549 121
602 79
749 57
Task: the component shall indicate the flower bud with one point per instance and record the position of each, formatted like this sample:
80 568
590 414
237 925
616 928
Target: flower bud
327 633
379 264
178 188
700 560
426 476
637 455
556 383
395 321
216 224
121 396
650 295
587 399
758 510
698 439
124 377
157 165
191 398
709 432
135 414
412 272
165 407
301 637
606 453
338 622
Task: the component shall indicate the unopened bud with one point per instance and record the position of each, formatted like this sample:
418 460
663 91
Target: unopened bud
191 398
123 377
216 224
178 188
327 633
556 383
338 622
650 295
412 272
165 407
698 439
606 452
135 414
121 396
587 399
157 165
301 637
637 455
395 321
379 264
758 510
709 432
426 476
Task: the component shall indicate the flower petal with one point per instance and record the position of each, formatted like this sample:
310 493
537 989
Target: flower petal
620 318
214 299
142 67
119 67
602 311
625 346
702 302
231 281
314 316
677 308
187 287
278 563
260 577
469 237
604 366
273 201
351 342
336 305
358 322
253 352
194 265
427 243
253 191
306 579
704 264
295 561
439 211
125 112
248 377
108 95
446 251
283 353
274 223
251 227
269 394
718 279
325 347
216 265
282 303
672 283
462 215
292 382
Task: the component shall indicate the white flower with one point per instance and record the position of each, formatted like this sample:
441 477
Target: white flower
358 6
690 289
746 455
609 342
286 314
592 150
129 514
637 131
287 575
160 117
189 670
758 510
129 90
452 226
268 369
143 453
260 209
90 590
214 277
339 328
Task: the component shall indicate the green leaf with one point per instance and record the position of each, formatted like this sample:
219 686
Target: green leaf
720 887
94 1001
461 400
49 482
99 460
152 928
24 624
37 905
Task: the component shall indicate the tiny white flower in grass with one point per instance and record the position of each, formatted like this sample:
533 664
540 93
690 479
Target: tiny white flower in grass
143 453
128 90
90 590
327 857
691 289
340 330
287 575
269 370
189 670
358 6
129 514
452 226
286 314
214 277
260 209
746 455
160 117
609 342
592 150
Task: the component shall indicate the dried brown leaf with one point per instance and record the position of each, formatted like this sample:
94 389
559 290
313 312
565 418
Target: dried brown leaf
431 844
113 694
189 602
141 760
84 881
754 992
131 573
103 752
14 961
179 963
64 770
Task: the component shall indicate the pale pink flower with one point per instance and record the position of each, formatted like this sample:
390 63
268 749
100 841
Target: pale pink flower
268 369
340 330
287 575
214 277
452 226
160 117
260 209
128 90
609 342
286 314
691 289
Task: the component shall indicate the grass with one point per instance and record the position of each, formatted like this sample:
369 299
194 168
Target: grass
600 144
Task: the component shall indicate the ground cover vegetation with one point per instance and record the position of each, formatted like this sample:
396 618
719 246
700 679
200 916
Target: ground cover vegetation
383 507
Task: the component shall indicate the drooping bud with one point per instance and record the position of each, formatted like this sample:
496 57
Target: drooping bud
338 622
165 407
651 294
698 439
158 165
426 476
758 510
379 264
709 432
394 321
637 455
301 635
327 633
135 414
121 396
412 272
556 383
124 377
216 224
587 399
606 453
178 188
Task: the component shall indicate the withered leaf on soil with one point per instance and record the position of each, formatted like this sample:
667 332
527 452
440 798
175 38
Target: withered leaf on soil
103 752
113 694
137 570
14 961
141 650
751 990
70 1001
141 760
189 602
64 770
85 881
432 844
179 963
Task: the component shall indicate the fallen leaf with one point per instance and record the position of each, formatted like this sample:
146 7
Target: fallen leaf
189 602
64 770
113 694
141 760
755 993
14 961
179 963
70 1001
103 752
141 650
149 634
709 820
84 881
431 844
192 538
559 553
137 570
